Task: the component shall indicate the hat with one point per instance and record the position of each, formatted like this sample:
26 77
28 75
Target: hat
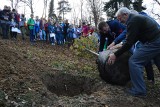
143 6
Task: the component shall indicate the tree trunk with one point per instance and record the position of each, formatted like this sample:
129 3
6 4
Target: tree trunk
81 10
63 14
12 4
32 10
45 8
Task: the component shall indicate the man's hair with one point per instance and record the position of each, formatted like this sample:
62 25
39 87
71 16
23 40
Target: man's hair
101 25
31 15
123 10
13 10
23 15
83 23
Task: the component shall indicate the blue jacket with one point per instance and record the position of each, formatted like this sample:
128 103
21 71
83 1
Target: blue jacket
116 28
121 37
58 30
70 32
51 28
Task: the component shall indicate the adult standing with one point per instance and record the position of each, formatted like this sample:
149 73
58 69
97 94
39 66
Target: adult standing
145 30
37 27
65 27
22 25
0 22
4 17
31 24
85 29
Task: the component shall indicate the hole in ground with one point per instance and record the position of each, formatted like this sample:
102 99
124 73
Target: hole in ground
70 85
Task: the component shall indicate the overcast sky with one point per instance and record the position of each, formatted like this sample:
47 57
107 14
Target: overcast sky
38 7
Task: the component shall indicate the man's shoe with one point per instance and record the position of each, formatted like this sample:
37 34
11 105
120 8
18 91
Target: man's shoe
135 94
151 82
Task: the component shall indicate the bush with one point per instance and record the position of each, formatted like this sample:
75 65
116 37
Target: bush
80 46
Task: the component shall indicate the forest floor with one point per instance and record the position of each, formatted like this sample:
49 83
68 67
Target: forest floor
43 75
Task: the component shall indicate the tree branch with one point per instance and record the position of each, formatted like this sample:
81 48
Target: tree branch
157 2
155 13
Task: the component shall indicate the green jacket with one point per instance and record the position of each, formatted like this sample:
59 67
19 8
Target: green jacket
31 23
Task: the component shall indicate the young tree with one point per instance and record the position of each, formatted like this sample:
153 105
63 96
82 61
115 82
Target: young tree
51 8
96 10
64 7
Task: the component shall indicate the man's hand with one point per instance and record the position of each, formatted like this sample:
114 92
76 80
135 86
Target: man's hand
111 59
5 18
111 45
116 46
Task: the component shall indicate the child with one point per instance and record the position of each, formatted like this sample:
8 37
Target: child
31 25
70 32
12 26
37 27
22 25
59 35
51 30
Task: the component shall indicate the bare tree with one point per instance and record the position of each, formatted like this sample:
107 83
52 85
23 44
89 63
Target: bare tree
96 9
29 3
75 15
157 1
153 8
51 8
14 3
44 8
64 7
81 8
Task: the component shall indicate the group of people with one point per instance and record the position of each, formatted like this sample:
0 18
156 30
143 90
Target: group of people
139 34
40 29
55 32
133 31
10 19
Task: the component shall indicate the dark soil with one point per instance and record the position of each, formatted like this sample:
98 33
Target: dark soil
53 76
70 85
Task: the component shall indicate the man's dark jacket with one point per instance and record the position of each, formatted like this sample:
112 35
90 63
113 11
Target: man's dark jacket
139 27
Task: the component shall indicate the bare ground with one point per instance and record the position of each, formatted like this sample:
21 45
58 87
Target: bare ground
54 76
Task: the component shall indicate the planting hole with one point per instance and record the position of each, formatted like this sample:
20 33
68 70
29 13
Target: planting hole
70 85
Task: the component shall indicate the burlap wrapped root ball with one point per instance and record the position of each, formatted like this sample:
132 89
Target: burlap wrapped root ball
116 74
